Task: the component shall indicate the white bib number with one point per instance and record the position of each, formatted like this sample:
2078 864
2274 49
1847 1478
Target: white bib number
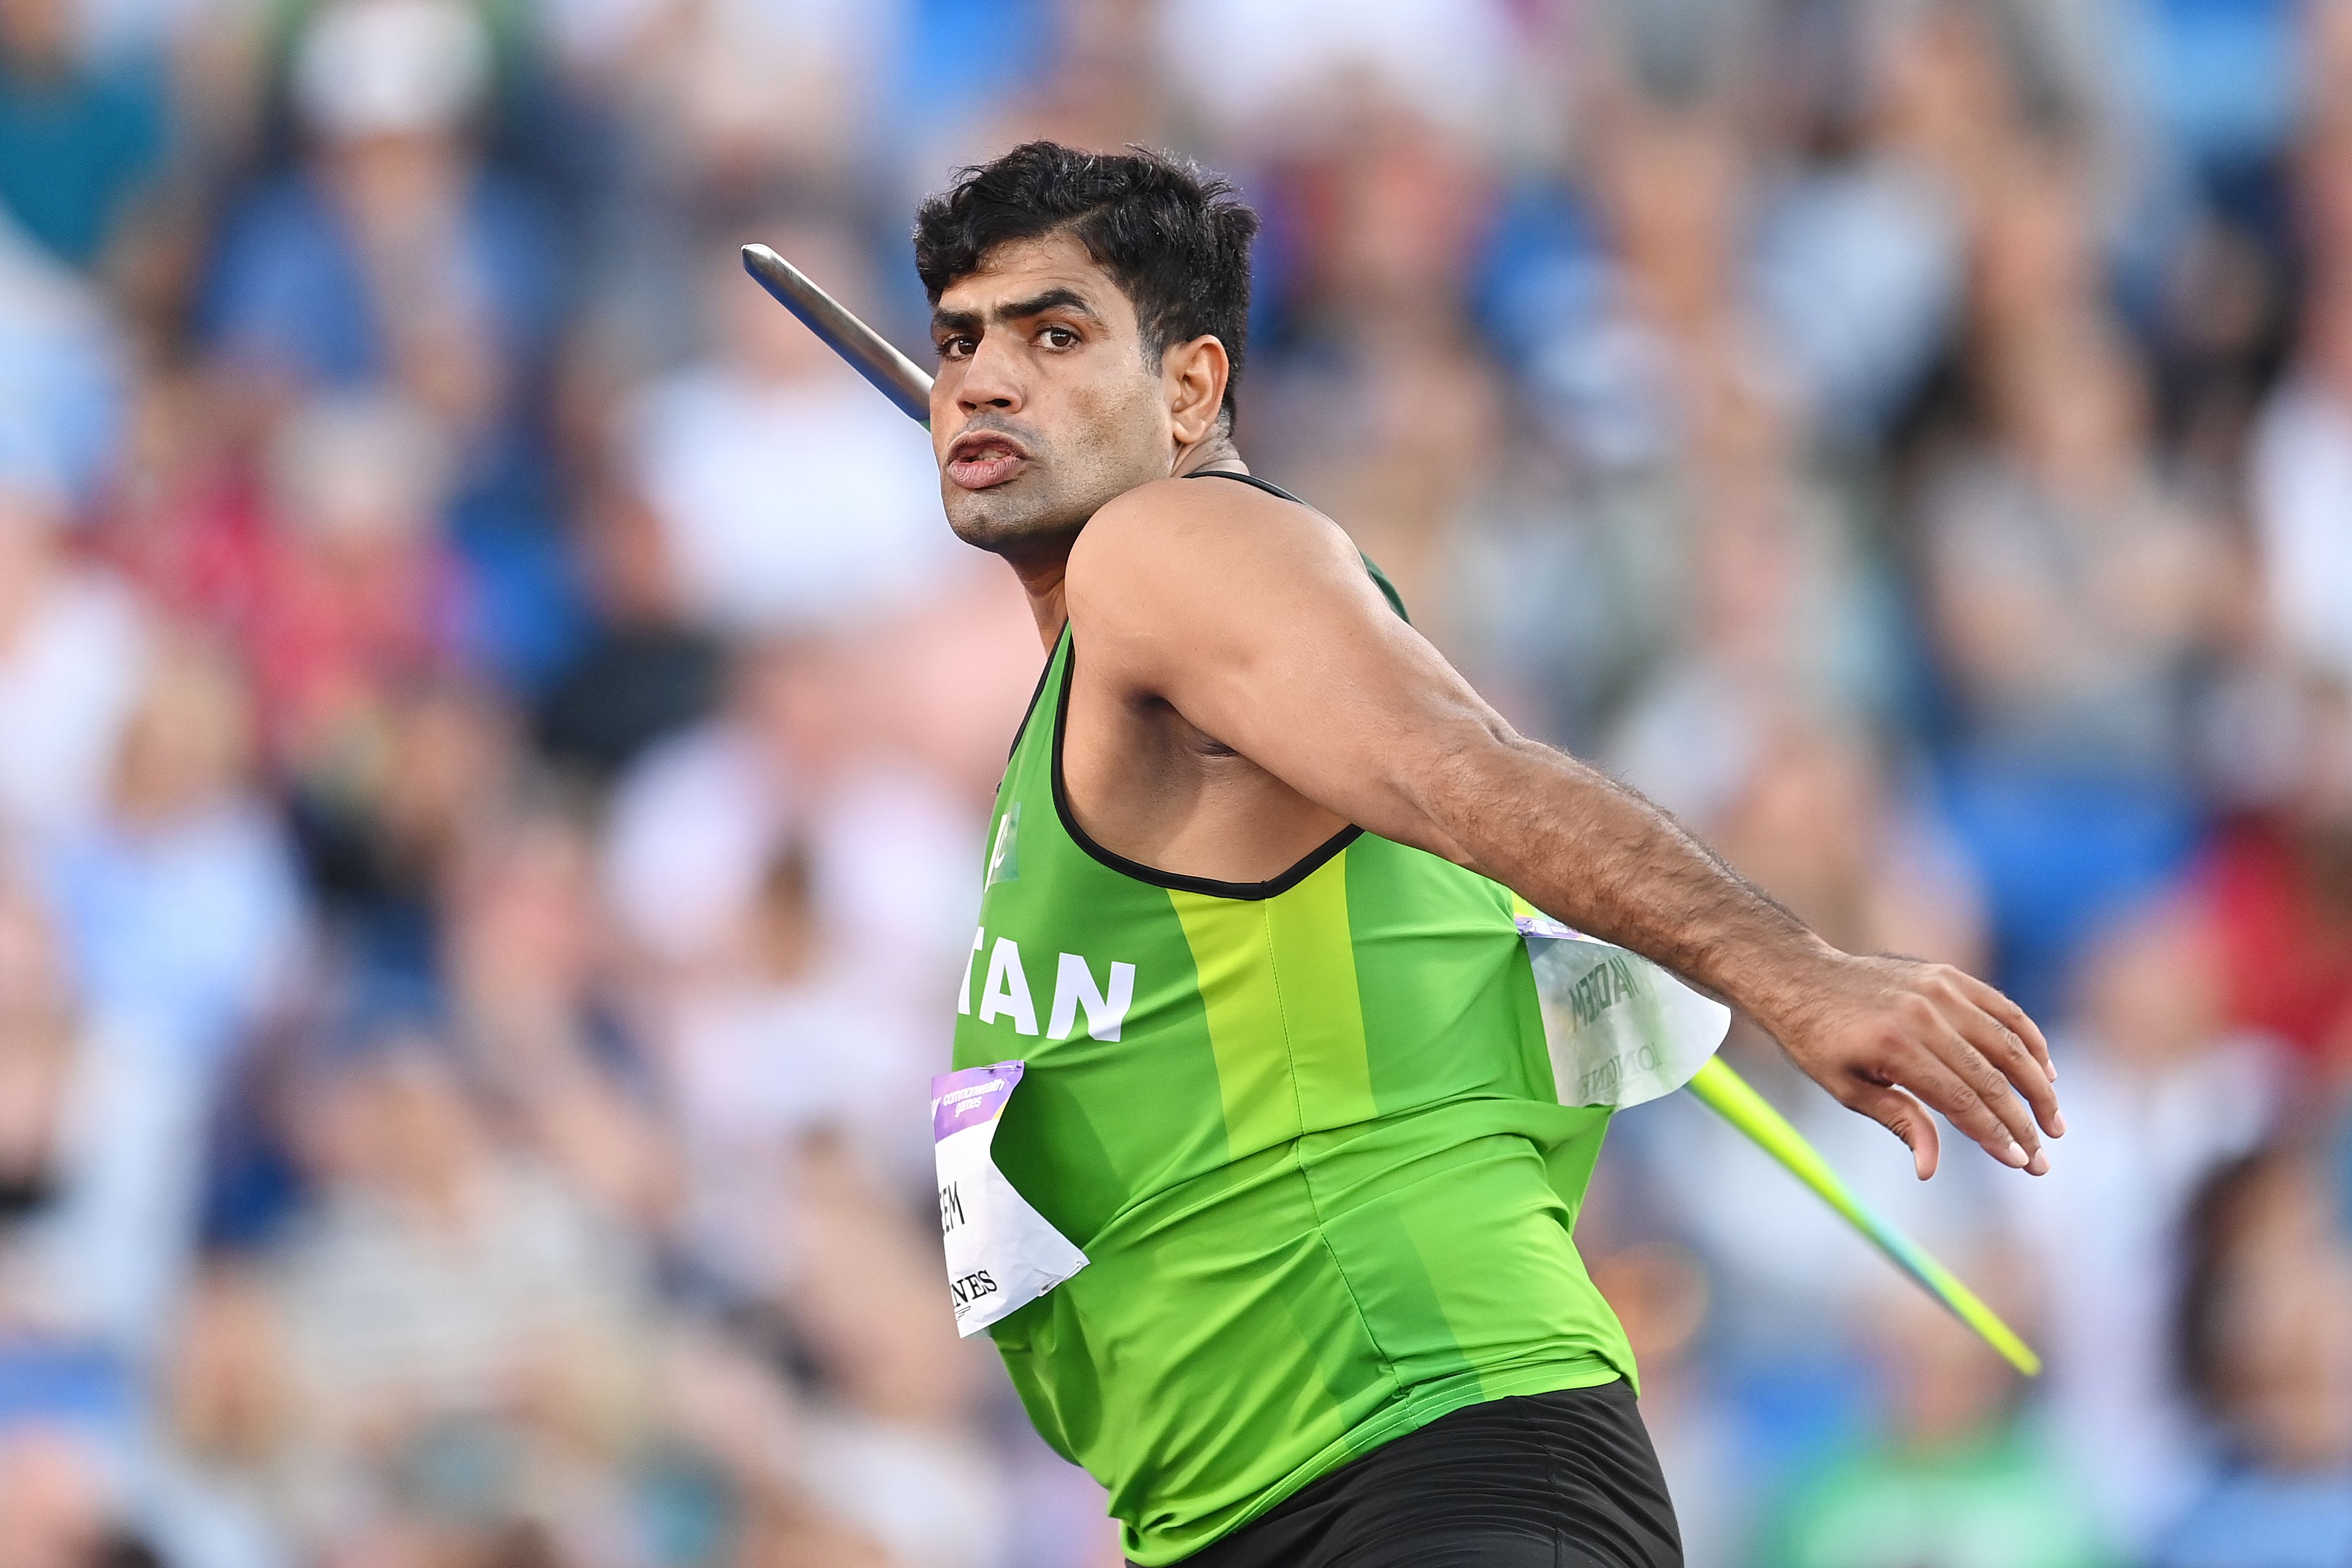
1621 1029
1001 1254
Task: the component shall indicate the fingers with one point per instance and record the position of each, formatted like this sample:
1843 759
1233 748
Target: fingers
1946 1072
2012 1018
1957 1045
1902 1116
2009 1055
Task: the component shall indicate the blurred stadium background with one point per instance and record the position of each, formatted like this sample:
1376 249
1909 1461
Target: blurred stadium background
494 730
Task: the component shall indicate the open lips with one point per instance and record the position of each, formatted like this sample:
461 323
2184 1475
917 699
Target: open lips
979 458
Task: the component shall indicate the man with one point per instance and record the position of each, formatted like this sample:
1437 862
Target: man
1248 927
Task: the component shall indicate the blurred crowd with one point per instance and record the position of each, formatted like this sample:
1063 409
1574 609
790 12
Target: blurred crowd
494 730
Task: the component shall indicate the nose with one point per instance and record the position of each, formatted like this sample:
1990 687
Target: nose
992 377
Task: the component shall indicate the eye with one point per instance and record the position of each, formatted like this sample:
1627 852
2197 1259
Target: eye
1058 338
957 347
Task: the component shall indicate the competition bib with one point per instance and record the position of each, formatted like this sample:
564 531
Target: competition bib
1621 1029
1002 1253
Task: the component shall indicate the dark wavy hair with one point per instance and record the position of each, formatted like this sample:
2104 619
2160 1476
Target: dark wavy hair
1175 240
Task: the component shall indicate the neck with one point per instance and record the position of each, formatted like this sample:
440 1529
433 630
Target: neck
1218 452
1041 574
1041 579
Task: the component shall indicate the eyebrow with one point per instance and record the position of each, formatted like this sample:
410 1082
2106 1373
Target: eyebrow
1060 298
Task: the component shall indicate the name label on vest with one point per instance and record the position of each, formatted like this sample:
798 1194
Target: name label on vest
1621 1029
1001 1254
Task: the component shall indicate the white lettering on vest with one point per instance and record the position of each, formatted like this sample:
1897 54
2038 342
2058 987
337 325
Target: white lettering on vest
1007 991
963 987
1074 983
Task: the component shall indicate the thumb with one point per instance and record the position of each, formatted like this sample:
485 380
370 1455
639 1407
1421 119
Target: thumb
1904 1117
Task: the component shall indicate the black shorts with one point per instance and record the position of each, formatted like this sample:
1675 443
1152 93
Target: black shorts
1543 1481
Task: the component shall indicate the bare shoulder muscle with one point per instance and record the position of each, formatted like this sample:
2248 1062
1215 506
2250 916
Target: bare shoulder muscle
1256 621
1178 583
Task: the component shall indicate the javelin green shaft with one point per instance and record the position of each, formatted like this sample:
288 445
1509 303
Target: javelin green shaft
907 385
1730 1096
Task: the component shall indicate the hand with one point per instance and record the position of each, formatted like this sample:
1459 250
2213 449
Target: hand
1884 1034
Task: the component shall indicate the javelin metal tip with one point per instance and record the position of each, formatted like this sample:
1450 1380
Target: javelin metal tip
893 374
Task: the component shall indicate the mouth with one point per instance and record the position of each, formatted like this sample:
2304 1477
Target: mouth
979 458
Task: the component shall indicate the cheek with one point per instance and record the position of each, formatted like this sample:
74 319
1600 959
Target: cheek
1122 424
947 419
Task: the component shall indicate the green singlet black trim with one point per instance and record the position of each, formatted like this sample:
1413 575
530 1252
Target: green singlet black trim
1152 875
1314 860
1036 692
1307 867
1268 486
1310 1142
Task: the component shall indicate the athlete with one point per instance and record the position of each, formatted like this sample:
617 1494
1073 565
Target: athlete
1249 926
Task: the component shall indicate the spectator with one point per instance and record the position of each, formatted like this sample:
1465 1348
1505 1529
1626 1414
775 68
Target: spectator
78 145
63 1507
2302 459
527 962
1384 225
2151 1062
394 258
103 1147
179 904
759 1069
383 829
222 1404
464 1340
73 646
396 262
696 819
1730 570
1958 1479
1268 73
810 741
896 1439
2075 593
857 531
649 669
2276 888
1859 255
2266 1348
1661 1293
39 1047
1821 821
2068 510
61 376
354 594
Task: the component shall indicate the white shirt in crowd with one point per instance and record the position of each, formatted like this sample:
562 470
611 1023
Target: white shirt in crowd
2302 475
788 506
67 681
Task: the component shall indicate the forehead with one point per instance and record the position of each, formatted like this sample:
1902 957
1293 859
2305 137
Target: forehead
1024 269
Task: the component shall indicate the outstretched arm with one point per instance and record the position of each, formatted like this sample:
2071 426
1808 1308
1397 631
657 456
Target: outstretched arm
1255 620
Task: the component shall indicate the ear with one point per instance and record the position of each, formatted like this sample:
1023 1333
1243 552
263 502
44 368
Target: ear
1194 374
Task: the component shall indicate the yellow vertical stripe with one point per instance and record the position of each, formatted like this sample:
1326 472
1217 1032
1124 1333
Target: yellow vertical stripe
1278 982
1232 954
1315 969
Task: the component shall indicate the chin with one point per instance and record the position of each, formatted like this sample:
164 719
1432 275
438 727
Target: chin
1001 521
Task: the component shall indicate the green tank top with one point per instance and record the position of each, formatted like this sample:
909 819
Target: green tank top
1305 1133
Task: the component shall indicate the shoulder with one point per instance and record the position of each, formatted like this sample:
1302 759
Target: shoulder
1176 541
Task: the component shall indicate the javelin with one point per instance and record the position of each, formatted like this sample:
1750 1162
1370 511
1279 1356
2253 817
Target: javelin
905 383
894 375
